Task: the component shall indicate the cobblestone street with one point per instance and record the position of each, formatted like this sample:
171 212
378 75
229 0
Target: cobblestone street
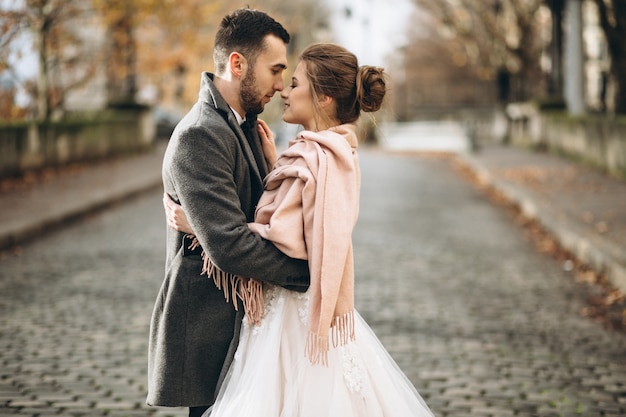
479 321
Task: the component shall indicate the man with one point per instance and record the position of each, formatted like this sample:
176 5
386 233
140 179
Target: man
215 172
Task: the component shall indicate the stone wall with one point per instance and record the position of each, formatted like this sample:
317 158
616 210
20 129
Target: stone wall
35 146
597 140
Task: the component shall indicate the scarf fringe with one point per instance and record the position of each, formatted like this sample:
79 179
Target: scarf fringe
248 290
251 295
341 333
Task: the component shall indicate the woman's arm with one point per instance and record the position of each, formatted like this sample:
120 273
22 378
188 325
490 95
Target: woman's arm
175 215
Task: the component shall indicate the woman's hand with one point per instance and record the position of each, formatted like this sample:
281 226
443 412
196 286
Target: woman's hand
175 215
267 140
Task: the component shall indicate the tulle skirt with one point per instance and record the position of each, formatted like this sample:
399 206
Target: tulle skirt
271 376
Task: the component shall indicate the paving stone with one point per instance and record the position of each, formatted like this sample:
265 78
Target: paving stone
114 405
19 403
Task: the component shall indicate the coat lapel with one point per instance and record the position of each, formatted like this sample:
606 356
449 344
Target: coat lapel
245 144
209 94
255 143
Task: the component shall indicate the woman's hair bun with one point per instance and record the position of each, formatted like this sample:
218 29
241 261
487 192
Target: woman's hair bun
370 88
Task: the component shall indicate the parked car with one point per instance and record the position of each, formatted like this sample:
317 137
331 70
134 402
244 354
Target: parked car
165 121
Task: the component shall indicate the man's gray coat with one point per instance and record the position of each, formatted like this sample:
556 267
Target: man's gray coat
210 169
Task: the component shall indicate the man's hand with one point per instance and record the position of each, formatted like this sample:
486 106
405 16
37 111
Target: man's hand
176 217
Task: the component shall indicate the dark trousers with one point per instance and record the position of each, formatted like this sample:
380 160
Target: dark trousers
197 411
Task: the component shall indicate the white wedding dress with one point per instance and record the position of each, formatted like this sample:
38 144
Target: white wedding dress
271 376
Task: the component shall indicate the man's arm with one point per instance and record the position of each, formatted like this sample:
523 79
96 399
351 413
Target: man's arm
204 169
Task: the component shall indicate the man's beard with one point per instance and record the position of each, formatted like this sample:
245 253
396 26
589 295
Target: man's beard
249 95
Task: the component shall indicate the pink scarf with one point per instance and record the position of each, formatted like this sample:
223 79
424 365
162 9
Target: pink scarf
308 210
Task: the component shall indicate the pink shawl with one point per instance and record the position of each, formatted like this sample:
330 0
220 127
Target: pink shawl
308 210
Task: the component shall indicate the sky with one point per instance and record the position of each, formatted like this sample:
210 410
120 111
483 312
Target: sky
374 29
22 53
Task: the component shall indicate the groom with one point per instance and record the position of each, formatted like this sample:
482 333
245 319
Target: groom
216 172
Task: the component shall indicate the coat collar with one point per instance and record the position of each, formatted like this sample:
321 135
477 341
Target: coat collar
211 95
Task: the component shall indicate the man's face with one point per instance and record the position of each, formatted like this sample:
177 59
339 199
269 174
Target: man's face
266 76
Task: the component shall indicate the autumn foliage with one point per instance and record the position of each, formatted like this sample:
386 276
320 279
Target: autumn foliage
135 43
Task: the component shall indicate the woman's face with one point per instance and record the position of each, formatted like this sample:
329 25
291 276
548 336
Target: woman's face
298 99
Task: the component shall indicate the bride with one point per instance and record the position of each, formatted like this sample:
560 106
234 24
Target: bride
311 354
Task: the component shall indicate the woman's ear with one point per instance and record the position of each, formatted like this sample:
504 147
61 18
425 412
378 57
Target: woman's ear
325 101
237 64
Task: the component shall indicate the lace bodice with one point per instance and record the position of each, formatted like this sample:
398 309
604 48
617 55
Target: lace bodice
275 298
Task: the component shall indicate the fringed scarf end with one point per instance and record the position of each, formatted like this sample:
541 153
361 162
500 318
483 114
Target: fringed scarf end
342 329
248 290
316 349
342 332
251 295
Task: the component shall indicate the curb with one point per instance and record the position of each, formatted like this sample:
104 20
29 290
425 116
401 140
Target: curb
103 184
17 234
601 255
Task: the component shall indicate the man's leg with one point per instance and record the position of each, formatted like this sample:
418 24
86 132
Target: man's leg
197 411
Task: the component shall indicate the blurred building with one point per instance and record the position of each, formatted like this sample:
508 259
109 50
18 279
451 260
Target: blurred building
578 61
436 74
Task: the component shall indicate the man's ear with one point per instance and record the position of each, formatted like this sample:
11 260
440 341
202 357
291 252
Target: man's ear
237 64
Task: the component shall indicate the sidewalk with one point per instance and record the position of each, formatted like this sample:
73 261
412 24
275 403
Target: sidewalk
583 209
75 192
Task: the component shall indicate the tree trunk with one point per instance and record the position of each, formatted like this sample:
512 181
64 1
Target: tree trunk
618 72
43 85
122 75
613 21
555 86
528 54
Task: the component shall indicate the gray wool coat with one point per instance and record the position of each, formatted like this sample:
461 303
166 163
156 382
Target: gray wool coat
210 169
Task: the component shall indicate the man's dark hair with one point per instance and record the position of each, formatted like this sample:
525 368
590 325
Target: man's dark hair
244 31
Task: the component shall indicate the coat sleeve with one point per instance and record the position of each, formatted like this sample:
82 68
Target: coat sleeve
203 169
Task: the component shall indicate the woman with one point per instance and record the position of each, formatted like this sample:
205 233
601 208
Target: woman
312 355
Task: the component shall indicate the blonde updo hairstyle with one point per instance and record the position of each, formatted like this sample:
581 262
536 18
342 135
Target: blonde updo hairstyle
334 71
